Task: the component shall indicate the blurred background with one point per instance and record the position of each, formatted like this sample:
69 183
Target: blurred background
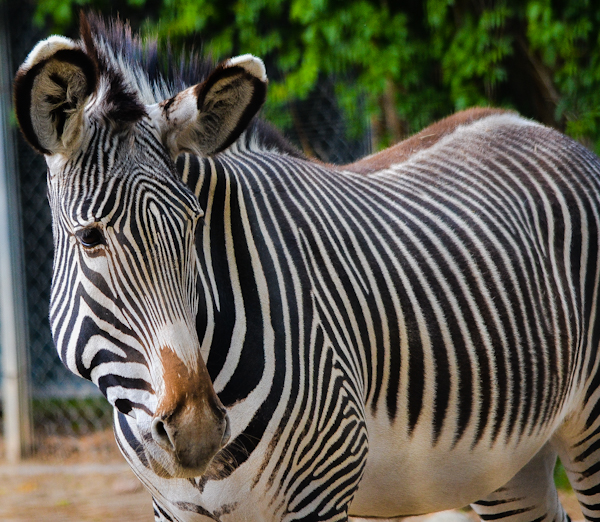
347 78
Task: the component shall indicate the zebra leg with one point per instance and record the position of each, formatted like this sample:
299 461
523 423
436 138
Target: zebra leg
579 452
530 496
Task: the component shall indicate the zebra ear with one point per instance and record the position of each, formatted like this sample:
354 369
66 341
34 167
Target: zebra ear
209 117
51 88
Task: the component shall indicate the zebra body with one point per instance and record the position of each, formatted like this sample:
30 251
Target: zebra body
414 461
413 332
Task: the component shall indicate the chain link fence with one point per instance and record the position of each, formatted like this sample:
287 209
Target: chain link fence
63 404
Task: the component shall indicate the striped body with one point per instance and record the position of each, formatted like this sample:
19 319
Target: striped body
410 322
286 340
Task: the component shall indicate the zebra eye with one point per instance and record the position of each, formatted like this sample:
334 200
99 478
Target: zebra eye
90 237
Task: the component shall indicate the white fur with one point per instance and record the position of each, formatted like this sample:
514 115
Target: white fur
46 48
252 64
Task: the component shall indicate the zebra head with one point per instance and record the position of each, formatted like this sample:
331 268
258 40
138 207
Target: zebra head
125 282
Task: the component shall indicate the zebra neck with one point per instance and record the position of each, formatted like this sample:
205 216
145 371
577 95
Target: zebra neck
233 315
237 326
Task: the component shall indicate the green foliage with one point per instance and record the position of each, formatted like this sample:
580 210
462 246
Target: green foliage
425 58
568 41
59 11
560 477
474 57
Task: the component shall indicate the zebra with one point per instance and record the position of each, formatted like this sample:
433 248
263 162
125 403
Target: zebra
284 339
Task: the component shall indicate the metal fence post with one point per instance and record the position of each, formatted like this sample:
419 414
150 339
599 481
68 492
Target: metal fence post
13 323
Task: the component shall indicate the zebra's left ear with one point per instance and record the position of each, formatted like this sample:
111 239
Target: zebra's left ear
209 117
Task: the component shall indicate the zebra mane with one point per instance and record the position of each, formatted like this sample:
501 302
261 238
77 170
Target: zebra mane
151 74
139 73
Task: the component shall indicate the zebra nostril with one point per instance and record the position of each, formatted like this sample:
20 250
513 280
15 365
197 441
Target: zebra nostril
226 432
161 435
222 412
219 411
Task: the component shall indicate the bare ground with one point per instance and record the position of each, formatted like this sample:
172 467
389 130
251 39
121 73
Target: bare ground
86 479
73 480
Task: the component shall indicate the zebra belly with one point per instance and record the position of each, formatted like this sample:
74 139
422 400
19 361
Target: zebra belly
409 475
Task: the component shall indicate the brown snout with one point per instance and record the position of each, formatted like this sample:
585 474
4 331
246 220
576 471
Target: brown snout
190 424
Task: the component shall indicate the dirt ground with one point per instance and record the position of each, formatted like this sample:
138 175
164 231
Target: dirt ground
73 480
75 493
86 479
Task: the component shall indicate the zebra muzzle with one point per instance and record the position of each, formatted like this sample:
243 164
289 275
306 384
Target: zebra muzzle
190 443
191 424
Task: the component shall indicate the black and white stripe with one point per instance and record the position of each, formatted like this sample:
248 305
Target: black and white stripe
115 317
405 339
451 298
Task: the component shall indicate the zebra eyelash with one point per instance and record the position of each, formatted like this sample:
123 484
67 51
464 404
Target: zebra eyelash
90 237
